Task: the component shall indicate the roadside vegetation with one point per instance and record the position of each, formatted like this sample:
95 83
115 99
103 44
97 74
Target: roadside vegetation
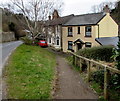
27 40
30 73
11 24
104 55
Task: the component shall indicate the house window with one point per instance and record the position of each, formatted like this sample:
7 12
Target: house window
88 44
78 30
49 40
88 30
70 45
70 31
57 41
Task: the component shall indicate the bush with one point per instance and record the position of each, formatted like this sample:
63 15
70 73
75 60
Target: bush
36 42
102 53
114 82
27 41
98 77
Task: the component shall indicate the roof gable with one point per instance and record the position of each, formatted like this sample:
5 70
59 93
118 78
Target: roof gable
108 16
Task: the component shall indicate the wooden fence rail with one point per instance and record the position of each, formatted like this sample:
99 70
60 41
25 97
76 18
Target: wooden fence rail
90 63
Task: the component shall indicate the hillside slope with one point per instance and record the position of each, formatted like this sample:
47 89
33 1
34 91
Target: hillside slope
115 13
11 22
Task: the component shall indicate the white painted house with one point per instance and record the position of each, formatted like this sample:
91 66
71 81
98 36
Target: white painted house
54 29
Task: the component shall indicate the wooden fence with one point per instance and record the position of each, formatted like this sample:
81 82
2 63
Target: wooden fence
90 63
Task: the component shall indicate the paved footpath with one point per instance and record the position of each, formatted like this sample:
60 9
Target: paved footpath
70 85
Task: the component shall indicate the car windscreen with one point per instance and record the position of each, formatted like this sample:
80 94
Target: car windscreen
42 42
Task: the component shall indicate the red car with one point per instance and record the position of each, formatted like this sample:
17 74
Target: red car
42 43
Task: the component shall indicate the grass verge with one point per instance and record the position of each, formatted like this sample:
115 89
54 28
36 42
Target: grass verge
30 73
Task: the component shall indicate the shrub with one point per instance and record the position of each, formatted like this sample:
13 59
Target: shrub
116 56
98 77
102 53
27 41
36 42
114 82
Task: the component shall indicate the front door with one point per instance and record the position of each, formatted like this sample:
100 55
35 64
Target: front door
79 46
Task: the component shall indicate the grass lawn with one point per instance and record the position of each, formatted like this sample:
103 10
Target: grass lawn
30 73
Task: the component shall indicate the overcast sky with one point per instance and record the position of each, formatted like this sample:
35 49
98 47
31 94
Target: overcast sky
80 6
77 6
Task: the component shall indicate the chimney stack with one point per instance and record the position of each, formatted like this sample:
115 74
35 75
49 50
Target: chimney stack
55 15
106 9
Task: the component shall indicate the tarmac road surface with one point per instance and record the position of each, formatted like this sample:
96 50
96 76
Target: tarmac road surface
5 51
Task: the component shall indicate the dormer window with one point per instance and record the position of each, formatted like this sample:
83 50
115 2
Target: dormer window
70 32
88 30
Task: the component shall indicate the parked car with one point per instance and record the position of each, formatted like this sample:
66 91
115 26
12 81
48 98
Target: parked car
43 43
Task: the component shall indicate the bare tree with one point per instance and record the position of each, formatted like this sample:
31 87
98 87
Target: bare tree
99 8
35 12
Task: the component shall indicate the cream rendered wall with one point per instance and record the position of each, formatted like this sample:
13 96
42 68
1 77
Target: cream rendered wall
77 36
107 27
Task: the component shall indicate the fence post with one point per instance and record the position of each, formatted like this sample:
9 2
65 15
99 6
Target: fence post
105 83
80 65
73 59
88 70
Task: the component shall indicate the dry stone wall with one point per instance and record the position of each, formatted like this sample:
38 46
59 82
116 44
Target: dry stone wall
7 36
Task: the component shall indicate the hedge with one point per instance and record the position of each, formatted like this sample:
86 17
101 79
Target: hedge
103 53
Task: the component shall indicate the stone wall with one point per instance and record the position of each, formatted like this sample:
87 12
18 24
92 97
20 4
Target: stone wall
7 36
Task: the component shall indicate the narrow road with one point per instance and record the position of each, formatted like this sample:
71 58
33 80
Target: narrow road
5 51
70 85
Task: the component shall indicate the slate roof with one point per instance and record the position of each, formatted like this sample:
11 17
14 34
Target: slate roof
85 19
108 41
59 21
